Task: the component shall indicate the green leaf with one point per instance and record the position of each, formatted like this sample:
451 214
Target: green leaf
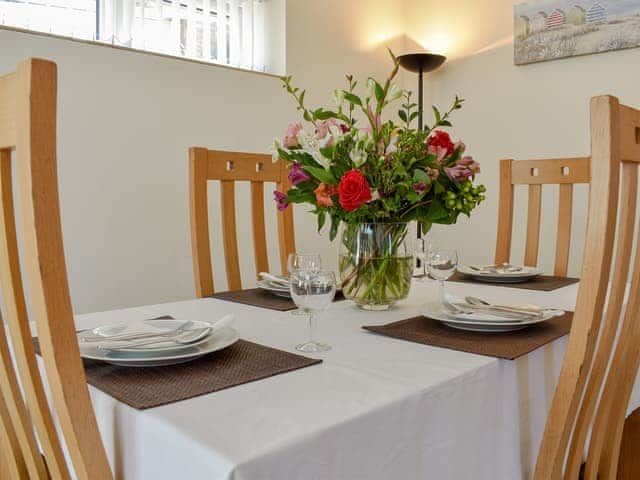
335 223
353 99
445 123
322 217
403 115
379 92
413 116
321 174
324 114
420 176
436 114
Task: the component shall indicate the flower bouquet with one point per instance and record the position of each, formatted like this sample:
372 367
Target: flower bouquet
375 176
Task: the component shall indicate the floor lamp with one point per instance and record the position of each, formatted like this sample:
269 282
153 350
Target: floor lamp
421 63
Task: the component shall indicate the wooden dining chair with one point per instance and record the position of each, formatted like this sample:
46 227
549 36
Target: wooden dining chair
590 397
32 448
229 168
565 172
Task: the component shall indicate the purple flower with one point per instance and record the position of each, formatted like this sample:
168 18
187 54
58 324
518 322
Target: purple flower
297 175
281 199
458 173
470 163
420 187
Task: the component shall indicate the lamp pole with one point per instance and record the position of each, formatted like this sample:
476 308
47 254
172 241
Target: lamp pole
421 63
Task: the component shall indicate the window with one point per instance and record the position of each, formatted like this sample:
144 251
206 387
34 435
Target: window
228 32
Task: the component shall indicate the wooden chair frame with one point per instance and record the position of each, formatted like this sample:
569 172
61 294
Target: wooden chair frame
565 172
28 125
228 168
591 395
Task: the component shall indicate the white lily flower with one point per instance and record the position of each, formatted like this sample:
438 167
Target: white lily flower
371 88
311 146
338 97
395 92
358 157
335 132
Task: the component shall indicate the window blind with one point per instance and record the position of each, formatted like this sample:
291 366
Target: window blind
229 32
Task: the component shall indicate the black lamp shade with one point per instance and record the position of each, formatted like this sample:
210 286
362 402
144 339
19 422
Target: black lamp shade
415 62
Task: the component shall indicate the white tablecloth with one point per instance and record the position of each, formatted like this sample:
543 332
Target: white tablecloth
376 408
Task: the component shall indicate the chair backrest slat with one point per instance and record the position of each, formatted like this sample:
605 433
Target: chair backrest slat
11 459
630 134
28 125
602 359
534 211
199 214
229 168
624 246
505 214
563 238
8 111
229 234
564 172
18 323
286 234
259 228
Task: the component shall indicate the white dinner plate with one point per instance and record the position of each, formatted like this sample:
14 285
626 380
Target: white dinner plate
480 322
219 340
274 288
527 273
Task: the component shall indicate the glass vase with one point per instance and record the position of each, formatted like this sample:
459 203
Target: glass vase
375 264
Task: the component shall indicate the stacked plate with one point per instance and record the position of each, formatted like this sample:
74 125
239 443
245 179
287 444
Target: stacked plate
457 313
499 273
154 343
276 284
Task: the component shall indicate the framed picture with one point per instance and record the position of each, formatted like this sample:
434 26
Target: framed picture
551 29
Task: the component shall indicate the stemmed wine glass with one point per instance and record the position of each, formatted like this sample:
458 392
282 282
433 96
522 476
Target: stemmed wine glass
302 262
313 291
441 264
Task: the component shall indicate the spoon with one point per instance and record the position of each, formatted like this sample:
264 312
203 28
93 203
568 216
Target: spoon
528 310
184 338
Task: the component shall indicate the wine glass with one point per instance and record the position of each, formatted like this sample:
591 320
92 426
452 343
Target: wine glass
441 264
302 262
312 291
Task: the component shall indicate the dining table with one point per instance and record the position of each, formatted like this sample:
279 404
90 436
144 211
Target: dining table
375 408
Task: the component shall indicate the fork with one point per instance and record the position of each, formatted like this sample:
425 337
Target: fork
138 336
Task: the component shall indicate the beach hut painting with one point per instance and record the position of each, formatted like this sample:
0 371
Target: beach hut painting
553 29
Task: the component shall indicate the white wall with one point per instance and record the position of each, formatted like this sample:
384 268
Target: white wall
126 120
534 111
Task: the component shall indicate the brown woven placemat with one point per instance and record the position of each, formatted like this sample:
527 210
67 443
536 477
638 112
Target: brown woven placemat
149 387
509 345
544 283
257 297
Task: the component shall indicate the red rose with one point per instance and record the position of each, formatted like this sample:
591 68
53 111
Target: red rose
441 139
353 190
